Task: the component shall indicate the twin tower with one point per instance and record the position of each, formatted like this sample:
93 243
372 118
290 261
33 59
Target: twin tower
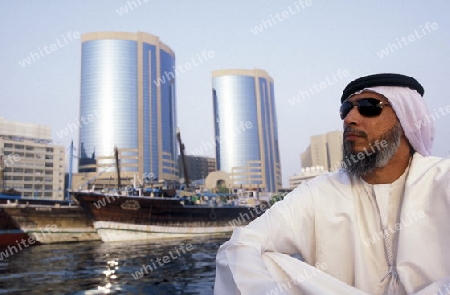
128 93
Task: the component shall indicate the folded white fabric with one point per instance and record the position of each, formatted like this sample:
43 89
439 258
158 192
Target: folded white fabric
299 278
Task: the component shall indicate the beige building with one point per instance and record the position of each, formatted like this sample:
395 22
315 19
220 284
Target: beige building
325 150
218 178
323 154
30 163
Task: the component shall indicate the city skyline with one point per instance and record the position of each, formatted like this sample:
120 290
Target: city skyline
312 52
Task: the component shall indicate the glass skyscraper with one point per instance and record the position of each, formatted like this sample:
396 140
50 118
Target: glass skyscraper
246 128
128 101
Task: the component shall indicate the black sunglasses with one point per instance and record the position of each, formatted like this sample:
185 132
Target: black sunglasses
367 107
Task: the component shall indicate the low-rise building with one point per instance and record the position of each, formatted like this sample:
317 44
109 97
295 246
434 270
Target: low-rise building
30 163
306 174
198 168
324 150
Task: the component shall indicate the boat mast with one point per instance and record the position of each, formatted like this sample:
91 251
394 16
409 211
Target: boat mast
69 186
2 174
183 160
116 155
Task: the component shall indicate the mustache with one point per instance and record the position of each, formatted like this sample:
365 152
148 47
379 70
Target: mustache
357 132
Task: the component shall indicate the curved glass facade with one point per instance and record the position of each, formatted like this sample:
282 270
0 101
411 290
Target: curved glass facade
108 89
235 104
246 128
168 122
119 75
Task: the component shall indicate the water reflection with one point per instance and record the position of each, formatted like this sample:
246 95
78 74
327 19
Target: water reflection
160 267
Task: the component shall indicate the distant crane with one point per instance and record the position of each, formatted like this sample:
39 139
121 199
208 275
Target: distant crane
183 159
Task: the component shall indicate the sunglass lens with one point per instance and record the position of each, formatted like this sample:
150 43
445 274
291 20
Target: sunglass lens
346 107
369 107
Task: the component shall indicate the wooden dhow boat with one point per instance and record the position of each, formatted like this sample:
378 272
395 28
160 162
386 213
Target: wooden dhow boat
143 217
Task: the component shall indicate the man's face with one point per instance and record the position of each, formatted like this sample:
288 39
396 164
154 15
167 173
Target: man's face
375 138
361 131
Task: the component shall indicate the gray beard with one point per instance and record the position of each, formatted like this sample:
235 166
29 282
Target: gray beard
370 162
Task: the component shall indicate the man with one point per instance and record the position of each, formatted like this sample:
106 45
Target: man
379 225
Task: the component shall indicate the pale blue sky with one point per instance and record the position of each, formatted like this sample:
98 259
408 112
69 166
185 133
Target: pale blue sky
306 47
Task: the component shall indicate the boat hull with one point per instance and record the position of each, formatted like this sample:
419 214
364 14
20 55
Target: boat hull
125 218
11 238
52 224
117 231
10 233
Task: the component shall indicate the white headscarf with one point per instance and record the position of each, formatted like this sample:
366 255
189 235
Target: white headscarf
414 116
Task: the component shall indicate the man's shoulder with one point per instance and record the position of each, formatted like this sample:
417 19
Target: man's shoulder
330 184
335 177
425 168
429 164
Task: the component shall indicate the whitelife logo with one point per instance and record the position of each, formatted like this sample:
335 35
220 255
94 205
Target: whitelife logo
195 62
279 17
131 5
433 117
392 47
317 87
71 127
34 56
162 261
